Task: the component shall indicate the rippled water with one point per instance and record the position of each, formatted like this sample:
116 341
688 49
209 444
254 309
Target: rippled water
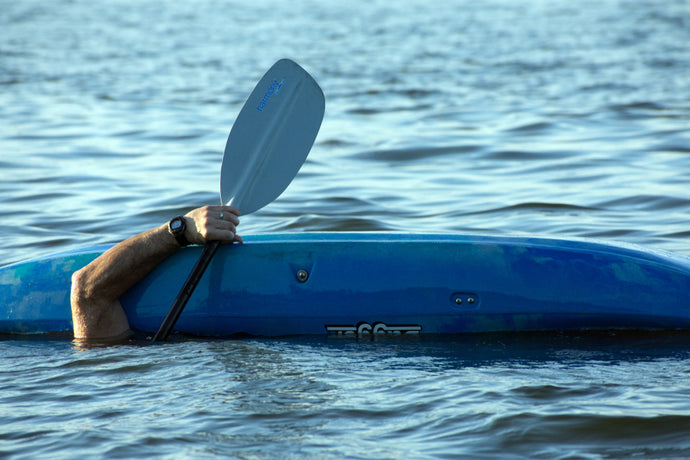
499 117
486 396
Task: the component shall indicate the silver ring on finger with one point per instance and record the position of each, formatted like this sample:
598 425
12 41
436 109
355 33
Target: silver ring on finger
221 214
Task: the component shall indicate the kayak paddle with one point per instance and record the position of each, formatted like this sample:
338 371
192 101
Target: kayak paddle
267 145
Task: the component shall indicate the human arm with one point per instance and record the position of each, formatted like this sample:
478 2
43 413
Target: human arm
96 288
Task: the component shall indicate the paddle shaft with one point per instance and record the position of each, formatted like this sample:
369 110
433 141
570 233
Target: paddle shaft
267 145
186 291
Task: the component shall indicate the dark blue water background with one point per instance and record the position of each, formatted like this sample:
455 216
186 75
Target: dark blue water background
554 118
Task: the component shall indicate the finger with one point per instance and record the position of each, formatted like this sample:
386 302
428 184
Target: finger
222 235
226 226
229 213
227 221
229 210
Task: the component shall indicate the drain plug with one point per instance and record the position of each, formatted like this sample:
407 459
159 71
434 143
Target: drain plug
302 276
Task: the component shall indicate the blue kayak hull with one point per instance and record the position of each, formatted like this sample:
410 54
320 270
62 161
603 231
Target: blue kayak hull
366 283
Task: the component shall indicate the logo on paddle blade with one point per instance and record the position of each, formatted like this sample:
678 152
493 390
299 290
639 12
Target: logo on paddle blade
376 328
273 90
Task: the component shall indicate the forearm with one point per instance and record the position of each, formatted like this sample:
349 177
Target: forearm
116 270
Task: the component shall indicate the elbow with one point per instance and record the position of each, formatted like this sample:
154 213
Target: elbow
95 316
82 304
78 301
79 292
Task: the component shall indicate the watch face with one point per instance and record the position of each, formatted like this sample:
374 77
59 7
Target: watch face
175 224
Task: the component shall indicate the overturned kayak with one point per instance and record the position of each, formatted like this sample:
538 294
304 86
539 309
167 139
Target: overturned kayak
369 283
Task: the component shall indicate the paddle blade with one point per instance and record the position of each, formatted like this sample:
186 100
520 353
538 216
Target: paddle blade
271 137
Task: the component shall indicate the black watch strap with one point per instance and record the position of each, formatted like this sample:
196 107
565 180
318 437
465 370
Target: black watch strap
177 227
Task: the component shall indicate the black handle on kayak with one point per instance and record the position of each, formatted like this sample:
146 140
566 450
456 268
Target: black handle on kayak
186 291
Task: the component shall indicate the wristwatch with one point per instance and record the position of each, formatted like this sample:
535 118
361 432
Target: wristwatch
177 226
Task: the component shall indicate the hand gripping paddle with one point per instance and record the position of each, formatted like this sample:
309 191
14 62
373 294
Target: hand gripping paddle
267 145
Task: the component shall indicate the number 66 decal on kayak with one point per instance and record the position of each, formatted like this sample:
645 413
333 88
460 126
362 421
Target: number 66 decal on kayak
377 328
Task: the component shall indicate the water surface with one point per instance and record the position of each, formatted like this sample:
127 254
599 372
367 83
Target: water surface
542 118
